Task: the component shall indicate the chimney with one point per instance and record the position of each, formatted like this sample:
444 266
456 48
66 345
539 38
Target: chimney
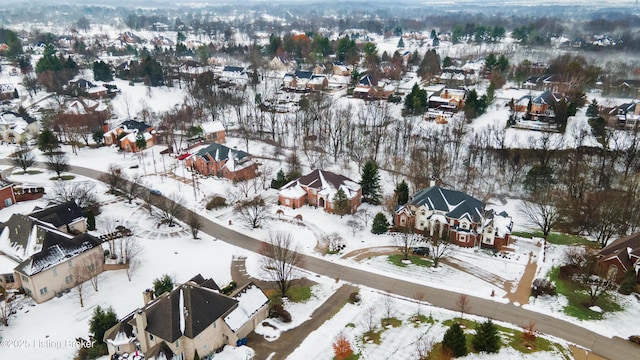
105 126
432 182
147 295
141 324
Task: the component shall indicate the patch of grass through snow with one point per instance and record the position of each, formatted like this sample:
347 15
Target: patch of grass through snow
556 238
416 260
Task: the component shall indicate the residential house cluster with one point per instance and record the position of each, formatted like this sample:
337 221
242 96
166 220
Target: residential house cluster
444 103
17 128
192 318
304 81
627 114
466 218
369 88
49 250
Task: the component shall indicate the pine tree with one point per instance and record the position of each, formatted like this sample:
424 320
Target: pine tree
162 285
196 356
401 44
101 321
91 220
340 203
593 111
380 224
402 193
628 284
455 340
370 183
486 338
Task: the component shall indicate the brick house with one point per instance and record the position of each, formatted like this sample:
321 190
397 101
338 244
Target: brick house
213 131
7 195
318 188
221 161
466 218
621 256
126 134
194 317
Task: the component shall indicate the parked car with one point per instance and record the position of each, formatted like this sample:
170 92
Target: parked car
420 250
155 192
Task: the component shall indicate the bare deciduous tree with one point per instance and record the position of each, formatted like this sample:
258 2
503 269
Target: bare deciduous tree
113 177
58 163
463 304
23 158
424 345
132 187
388 305
333 242
130 253
368 319
169 208
541 211
194 222
252 211
7 309
439 242
83 193
406 240
355 226
281 260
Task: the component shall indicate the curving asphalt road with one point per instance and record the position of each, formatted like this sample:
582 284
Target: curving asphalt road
612 348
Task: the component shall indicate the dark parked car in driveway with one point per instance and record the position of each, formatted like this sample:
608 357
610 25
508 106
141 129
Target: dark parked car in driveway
155 192
420 250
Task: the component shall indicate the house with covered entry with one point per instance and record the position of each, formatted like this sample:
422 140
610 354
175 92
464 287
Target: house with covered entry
318 188
466 219
192 318
222 161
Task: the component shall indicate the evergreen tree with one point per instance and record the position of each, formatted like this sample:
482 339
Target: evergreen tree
486 338
455 340
402 193
101 321
162 285
401 44
593 111
416 101
91 220
370 183
380 224
102 71
430 64
47 141
340 203
141 143
628 284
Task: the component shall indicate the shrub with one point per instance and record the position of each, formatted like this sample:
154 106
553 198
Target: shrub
354 297
543 286
635 339
216 202
380 224
162 285
278 311
229 288
628 284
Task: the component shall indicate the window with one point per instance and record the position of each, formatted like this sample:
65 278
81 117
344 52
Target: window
8 278
43 291
68 279
70 264
91 267
287 201
7 202
151 337
118 348
24 278
178 343
54 271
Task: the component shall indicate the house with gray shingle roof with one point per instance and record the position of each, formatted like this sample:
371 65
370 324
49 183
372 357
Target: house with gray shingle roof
194 316
318 188
465 217
222 161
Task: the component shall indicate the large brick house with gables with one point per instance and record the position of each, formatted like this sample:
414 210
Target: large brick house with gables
621 256
318 188
469 223
219 160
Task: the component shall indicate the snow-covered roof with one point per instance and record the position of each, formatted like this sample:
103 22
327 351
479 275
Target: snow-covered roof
250 300
212 127
7 264
325 182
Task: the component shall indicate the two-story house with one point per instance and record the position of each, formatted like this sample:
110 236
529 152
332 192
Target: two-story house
193 318
465 217
219 160
318 188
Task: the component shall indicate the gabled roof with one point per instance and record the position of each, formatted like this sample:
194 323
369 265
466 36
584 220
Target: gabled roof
235 69
220 153
56 248
160 351
326 182
131 125
547 97
18 238
59 215
624 249
187 310
11 117
303 74
455 204
121 333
